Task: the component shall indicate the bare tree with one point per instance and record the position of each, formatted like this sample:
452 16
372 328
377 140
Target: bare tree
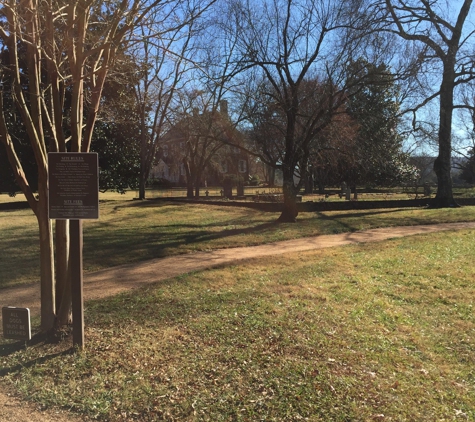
164 53
292 43
206 115
58 57
438 30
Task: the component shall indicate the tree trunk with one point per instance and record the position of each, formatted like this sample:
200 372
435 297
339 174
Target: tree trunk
143 157
289 211
63 315
189 180
271 176
321 187
141 188
309 183
442 164
142 179
47 277
63 275
197 182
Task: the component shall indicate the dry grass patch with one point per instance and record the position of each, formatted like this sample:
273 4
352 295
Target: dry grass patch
369 332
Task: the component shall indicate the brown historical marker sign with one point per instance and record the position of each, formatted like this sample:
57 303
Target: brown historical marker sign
16 323
73 179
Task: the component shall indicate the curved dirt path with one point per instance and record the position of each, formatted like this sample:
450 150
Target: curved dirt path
112 281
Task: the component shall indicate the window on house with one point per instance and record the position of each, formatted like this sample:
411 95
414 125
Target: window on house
224 167
242 166
182 169
165 150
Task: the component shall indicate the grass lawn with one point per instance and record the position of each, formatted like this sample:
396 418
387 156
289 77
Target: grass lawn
381 332
131 231
359 333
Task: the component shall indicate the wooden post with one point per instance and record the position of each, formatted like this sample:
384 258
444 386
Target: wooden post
77 283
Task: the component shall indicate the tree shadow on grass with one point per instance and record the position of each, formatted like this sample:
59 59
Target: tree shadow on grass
339 226
336 223
149 307
108 244
8 349
38 361
355 214
157 243
20 253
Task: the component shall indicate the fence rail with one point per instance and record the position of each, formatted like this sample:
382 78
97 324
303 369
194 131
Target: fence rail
215 192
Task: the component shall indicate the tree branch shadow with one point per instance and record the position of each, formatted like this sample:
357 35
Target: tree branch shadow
8 349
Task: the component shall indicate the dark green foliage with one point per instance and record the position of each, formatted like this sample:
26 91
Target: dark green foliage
116 133
374 106
119 154
19 138
468 170
7 180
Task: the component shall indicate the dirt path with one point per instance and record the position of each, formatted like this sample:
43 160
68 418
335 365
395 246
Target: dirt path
112 281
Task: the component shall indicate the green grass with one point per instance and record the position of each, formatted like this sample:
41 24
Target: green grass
342 334
131 231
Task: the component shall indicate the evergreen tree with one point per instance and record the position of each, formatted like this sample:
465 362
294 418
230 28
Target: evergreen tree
373 104
116 136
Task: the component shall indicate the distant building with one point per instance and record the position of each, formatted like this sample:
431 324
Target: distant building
212 132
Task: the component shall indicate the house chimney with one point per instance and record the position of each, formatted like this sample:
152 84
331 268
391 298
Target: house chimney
223 107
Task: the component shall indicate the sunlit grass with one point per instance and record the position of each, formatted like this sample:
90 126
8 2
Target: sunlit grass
359 333
131 231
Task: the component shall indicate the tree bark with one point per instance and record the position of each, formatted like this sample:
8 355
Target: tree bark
289 212
309 185
143 158
47 275
271 176
321 187
442 164
142 184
